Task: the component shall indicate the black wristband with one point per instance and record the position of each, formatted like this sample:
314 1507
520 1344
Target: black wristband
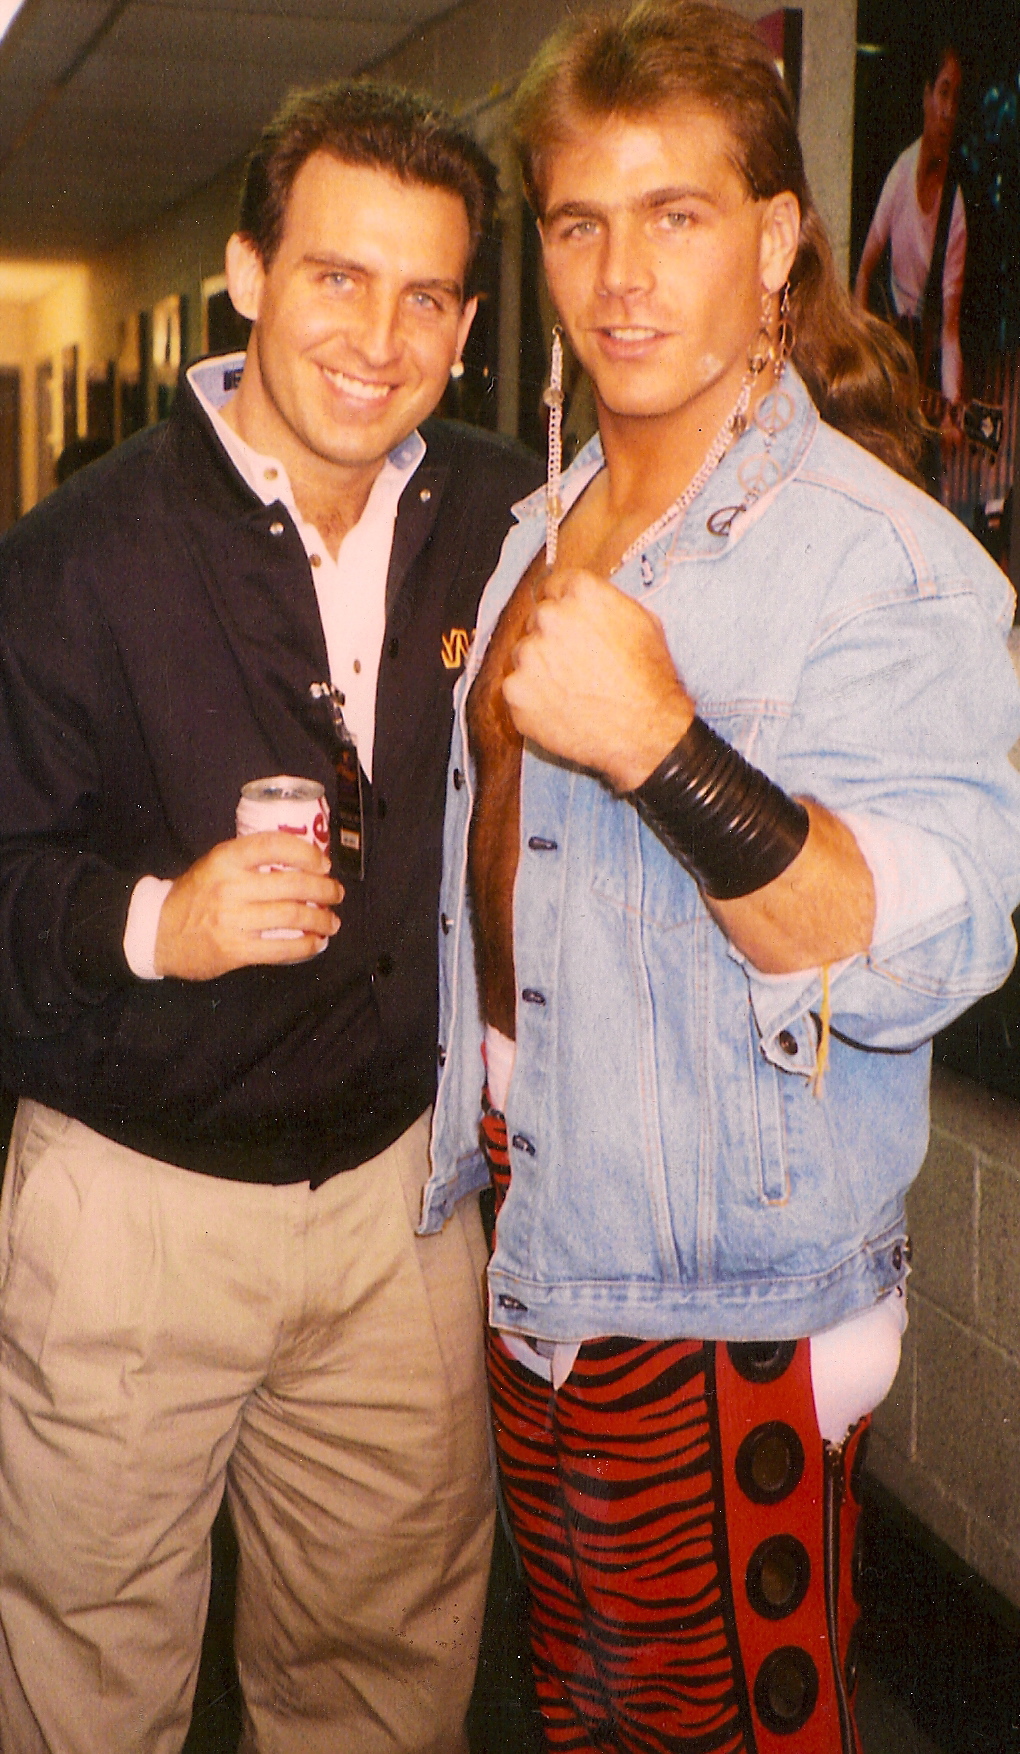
726 822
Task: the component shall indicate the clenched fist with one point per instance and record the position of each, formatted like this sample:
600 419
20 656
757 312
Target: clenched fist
592 680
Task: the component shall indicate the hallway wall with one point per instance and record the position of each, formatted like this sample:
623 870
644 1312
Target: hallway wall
947 1441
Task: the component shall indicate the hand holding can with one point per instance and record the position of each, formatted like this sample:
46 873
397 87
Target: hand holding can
288 806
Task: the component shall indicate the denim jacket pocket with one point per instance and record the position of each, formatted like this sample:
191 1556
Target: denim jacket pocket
766 1091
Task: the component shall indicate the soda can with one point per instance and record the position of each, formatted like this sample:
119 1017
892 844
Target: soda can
286 804
290 806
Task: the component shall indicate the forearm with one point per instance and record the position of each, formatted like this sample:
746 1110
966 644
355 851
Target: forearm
784 878
820 910
952 354
873 247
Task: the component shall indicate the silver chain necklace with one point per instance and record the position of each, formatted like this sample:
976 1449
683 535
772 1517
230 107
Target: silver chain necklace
732 428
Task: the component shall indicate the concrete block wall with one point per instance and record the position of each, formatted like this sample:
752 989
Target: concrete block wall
947 1440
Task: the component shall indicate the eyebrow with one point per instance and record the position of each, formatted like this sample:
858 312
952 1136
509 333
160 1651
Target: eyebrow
647 203
347 265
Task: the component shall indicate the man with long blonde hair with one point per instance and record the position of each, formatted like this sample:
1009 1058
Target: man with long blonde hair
728 838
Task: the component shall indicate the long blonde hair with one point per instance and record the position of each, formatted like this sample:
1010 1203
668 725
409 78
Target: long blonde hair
860 373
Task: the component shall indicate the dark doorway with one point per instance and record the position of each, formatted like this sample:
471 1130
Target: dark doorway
44 459
10 448
228 333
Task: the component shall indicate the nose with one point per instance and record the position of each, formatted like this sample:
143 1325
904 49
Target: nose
376 338
626 265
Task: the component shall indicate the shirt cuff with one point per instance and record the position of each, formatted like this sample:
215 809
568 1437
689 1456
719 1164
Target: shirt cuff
146 905
915 879
916 882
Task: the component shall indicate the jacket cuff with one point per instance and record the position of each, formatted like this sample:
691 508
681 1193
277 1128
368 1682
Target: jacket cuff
94 926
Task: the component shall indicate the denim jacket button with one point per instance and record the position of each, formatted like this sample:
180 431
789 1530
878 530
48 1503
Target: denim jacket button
458 779
532 996
538 844
520 1143
446 922
788 1043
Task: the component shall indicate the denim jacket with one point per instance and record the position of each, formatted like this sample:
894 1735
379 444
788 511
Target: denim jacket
676 1167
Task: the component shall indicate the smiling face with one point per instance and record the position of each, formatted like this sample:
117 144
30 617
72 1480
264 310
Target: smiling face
657 258
358 318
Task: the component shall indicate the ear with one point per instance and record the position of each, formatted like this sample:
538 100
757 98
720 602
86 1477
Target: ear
780 236
464 322
246 276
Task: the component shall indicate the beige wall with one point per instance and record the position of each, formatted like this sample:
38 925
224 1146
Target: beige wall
33 330
90 303
183 248
947 1441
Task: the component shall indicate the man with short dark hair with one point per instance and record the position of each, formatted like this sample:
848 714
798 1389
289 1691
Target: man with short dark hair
225 1054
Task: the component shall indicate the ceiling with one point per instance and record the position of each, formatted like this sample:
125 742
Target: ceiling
112 110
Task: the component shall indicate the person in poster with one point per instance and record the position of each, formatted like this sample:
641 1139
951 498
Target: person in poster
920 219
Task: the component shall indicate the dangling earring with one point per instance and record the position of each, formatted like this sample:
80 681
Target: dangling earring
553 399
457 369
786 337
761 352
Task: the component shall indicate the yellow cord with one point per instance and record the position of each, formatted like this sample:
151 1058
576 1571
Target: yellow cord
822 1060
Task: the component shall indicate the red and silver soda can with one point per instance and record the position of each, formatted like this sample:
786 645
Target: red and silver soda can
289 805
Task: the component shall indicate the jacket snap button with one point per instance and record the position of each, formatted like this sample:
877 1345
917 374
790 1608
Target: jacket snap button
520 1143
458 779
446 922
539 845
441 1056
788 1043
897 1257
425 495
532 996
276 529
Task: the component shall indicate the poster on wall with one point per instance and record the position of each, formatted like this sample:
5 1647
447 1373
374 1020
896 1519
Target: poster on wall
935 246
936 233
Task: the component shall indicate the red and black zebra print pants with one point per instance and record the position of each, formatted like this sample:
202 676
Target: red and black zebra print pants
686 1537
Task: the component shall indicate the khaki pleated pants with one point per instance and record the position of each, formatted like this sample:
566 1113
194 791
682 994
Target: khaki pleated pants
162 1333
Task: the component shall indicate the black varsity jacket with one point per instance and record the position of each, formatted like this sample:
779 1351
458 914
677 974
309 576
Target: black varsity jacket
159 634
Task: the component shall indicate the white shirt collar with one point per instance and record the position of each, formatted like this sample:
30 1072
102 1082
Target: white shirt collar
214 382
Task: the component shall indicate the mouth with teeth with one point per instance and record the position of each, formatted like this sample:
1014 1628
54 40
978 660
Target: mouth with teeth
357 389
631 334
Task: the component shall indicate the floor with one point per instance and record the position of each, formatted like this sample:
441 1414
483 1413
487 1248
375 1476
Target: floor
940 1673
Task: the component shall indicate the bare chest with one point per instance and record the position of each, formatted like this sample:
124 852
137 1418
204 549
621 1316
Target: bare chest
490 726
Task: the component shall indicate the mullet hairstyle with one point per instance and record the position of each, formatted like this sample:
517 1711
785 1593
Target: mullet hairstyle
379 126
861 374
